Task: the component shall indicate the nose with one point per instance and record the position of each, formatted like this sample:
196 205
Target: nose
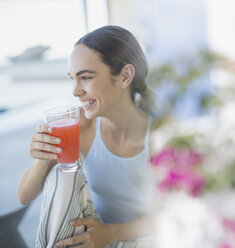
78 90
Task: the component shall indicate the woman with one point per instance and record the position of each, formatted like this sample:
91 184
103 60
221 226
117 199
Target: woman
109 70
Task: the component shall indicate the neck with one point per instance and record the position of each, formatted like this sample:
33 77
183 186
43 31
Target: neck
124 121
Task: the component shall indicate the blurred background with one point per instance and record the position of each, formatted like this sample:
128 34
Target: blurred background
190 49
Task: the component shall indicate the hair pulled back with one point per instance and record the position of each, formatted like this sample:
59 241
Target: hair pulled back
118 47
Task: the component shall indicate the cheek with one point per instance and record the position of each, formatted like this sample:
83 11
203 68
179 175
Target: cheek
101 88
93 89
96 87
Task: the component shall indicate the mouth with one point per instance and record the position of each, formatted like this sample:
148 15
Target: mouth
88 103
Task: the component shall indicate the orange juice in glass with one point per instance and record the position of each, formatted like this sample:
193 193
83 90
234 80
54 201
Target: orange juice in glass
64 122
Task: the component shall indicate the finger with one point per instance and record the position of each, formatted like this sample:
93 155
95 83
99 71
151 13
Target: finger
43 155
45 147
43 128
80 239
83 222
46 138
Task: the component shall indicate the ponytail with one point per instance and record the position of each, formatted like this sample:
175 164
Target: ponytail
148 102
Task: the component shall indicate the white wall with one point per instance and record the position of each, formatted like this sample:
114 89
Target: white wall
166 28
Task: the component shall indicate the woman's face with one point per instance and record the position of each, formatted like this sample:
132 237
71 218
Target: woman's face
94 86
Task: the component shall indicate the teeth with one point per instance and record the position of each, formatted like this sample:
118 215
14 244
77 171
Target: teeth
87 103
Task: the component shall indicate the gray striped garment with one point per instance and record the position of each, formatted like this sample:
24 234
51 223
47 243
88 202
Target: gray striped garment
58 212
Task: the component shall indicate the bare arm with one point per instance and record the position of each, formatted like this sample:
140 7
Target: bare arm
44 151
32 181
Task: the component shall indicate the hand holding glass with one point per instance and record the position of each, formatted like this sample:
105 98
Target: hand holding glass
64 122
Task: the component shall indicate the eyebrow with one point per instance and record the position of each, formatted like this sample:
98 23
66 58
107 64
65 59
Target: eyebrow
81 72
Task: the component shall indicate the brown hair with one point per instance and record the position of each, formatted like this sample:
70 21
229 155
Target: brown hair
118 47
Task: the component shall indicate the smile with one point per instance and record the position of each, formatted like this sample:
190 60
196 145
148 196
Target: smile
87 104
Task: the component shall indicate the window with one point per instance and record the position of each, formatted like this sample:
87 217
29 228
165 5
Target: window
54 23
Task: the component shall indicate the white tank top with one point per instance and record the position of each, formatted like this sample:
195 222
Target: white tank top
122 188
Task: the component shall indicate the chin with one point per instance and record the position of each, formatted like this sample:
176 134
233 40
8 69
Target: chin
90 114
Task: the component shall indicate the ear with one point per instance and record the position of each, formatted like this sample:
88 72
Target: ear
127 74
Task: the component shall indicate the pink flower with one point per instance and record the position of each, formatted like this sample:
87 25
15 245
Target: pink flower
187 157
171 155
164 157
225 245
229 224
185 179
229 228
178 167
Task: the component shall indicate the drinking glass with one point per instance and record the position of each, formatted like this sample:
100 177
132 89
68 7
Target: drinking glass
64 122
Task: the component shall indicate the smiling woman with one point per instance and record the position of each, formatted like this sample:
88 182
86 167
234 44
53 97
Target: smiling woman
113 194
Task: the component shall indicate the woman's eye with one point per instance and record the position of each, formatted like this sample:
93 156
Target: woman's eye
86 78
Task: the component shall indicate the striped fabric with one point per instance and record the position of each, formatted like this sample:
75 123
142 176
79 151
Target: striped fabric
66 196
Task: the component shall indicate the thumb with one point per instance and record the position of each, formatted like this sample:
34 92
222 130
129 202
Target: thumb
82 222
